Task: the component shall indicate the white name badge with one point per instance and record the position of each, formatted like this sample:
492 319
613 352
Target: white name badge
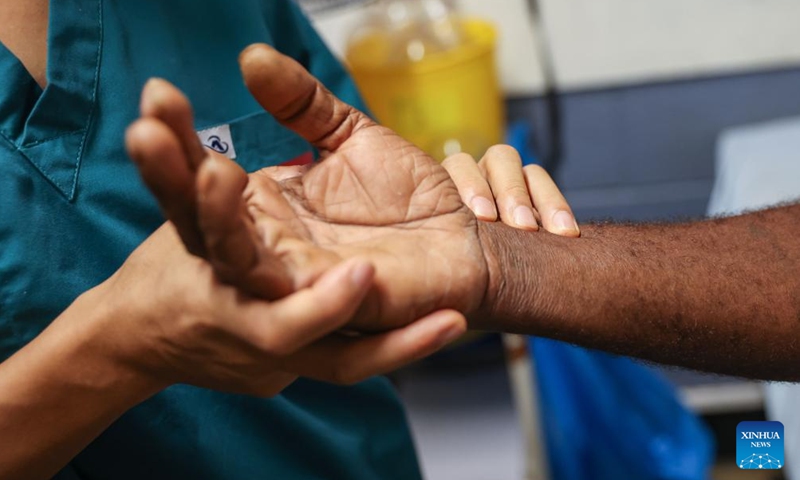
219 139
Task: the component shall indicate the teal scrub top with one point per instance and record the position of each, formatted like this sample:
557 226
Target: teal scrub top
72 208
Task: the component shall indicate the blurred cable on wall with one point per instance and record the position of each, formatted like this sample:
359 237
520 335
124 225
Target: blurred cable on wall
551 154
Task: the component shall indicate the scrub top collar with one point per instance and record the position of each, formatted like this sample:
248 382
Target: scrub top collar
38 122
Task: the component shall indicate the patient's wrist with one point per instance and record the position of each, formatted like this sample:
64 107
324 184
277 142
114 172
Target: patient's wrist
510 295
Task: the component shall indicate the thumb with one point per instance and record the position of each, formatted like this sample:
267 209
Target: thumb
298 100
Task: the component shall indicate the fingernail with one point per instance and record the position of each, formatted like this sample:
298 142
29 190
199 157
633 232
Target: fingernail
362 274
483 207
523 217
563 220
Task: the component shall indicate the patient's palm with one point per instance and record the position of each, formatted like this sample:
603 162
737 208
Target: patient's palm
374 196
378 196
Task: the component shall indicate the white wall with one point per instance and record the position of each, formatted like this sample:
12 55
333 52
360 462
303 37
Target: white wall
609 42
600 43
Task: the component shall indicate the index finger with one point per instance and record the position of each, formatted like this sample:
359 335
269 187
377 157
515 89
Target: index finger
307 315
163 167
345 360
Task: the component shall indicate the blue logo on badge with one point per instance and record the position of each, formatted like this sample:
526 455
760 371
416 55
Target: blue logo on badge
759 445
215 143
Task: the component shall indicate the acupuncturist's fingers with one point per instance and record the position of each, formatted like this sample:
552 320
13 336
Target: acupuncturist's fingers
232 243
221 213
309 314
472 186
162 100
514 191
555 212
162 164
297 100
203 195
347 360
503 167
167 151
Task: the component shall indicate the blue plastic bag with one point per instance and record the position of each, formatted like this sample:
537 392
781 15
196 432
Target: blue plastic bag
609 417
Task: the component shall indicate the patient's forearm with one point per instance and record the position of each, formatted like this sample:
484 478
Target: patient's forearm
720 295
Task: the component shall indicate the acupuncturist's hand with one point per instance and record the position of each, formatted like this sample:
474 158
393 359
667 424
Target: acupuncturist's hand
174 320
164 318
374 196
525 196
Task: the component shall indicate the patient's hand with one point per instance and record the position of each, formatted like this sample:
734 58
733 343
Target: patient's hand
374 196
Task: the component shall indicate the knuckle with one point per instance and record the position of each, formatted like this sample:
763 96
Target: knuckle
198 315
202 326
448 162
553 200
457 159
516 191
502 152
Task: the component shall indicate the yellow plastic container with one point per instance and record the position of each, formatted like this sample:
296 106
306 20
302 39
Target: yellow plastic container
446 101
